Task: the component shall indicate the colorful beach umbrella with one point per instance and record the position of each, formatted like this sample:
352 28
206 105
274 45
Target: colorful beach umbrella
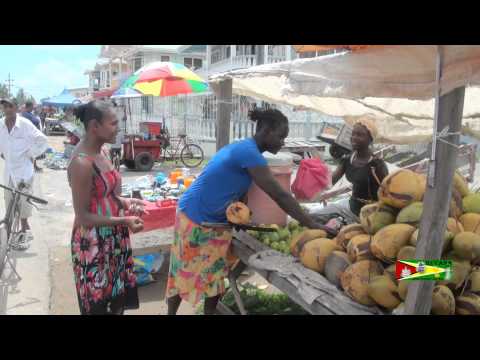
166 79
126 90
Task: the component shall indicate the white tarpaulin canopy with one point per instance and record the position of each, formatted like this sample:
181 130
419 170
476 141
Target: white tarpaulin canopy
393 84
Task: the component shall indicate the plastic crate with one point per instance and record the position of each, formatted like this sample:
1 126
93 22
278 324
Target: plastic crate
154 128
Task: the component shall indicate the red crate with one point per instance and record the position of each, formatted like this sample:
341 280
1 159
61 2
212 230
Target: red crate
166 203
151 127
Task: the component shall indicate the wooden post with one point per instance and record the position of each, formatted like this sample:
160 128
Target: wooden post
436 203
224 111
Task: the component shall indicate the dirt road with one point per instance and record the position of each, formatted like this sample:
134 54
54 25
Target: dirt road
47 285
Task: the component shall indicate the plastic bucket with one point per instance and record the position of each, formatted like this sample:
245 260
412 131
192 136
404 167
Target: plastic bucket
264 209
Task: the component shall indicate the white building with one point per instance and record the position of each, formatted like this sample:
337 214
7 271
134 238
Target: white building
192 56
107 73
221 58
196 114
117 62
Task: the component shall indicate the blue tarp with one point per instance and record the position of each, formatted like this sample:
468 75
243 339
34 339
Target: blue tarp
62 100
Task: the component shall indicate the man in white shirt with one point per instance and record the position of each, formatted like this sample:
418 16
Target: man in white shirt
20 144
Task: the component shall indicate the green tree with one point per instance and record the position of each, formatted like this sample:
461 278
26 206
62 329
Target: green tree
21 97
3 91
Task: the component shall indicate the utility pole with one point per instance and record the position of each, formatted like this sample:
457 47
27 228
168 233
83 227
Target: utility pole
10 82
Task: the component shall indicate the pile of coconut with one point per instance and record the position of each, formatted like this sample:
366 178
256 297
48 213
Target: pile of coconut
361 259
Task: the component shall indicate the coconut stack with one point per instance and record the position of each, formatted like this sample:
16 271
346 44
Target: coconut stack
363 265
361 259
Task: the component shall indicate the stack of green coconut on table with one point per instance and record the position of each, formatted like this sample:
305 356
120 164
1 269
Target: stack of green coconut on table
281 239
361 258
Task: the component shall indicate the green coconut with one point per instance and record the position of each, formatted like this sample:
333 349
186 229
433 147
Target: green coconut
471 203
410 214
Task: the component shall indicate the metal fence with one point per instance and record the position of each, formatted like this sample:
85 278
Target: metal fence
195 115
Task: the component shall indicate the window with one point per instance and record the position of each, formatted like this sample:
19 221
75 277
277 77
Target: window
309 54
188 62
312 54
228 52
165 58
278 50
137 63
216 57
197 63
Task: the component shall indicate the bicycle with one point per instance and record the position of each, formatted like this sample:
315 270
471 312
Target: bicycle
191 154
10 227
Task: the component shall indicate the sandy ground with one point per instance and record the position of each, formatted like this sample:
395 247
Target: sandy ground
47 285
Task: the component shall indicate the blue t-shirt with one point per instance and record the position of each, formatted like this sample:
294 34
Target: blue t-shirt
35 121
225 179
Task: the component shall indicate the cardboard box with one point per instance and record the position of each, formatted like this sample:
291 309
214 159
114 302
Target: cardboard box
343 138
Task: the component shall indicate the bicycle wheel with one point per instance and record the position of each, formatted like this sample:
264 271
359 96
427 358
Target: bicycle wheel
191 155
3 247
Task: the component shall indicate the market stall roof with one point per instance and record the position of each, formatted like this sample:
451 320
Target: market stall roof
62 100
353 84
103 93
87 98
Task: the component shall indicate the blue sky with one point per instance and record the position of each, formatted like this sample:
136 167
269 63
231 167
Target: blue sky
45 70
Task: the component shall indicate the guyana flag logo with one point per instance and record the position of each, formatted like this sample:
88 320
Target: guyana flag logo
424 270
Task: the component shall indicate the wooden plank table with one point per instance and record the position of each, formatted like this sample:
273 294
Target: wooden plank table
332 302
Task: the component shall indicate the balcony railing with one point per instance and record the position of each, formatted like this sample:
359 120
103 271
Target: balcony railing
275 59
238 62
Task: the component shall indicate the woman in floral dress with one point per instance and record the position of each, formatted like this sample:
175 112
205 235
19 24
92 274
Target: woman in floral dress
101 249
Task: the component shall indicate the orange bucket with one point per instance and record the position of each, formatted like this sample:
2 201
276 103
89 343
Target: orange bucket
174 175
188 181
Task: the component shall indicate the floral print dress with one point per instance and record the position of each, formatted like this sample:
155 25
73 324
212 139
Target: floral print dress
200 260
102 256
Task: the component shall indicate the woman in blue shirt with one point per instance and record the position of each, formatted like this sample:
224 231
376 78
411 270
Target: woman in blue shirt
199 256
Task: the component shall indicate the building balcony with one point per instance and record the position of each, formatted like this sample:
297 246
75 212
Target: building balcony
237 62
118 79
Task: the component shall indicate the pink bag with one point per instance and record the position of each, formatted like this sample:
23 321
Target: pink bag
312 177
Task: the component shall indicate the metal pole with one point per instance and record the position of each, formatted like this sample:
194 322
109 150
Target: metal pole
431 169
